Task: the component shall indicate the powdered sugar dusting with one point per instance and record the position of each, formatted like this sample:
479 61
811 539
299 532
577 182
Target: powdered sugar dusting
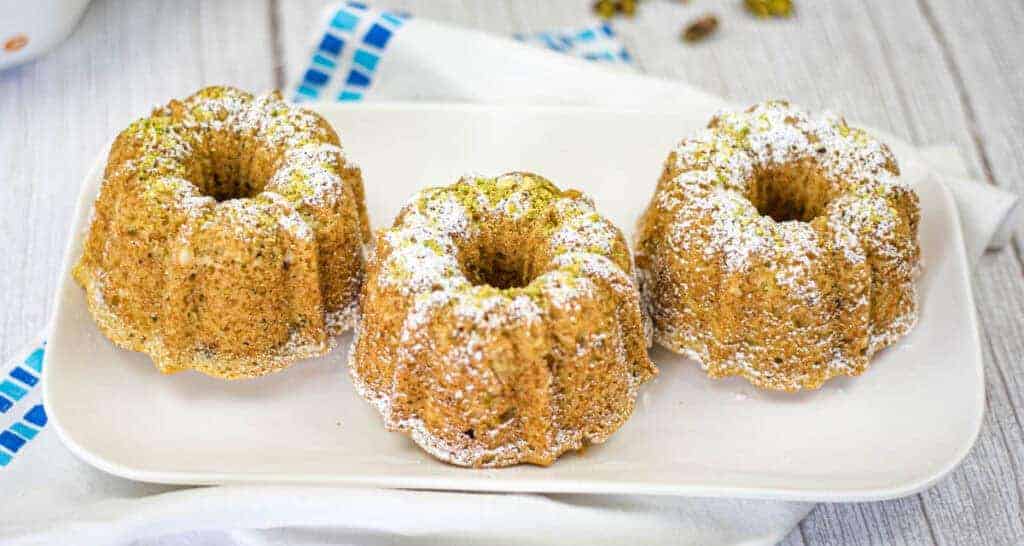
305 166
253 171
726 157
709 199
424 245
419 259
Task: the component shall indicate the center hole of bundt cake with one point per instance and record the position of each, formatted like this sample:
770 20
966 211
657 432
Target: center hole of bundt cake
790 193
500 268
227 174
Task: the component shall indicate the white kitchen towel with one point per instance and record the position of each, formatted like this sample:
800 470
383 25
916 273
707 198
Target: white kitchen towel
362 54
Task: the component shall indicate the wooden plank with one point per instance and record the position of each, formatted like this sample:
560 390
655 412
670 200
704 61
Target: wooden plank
297 22
982 43
970 39
124 58
236 46
869 523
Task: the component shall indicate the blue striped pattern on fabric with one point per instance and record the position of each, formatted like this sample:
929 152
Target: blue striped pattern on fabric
366 59
320 60
20 433
351 49
23 377
36 416
12 391
35 360
11 441
332 45
344 20
594 43
23 430
349 75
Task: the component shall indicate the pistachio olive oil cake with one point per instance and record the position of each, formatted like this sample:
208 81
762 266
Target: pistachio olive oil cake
227 236
501 323
781 247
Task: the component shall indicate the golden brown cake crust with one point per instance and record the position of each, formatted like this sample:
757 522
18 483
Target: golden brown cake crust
501 323
780 247
227 236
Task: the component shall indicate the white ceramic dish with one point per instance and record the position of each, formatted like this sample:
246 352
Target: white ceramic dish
893 431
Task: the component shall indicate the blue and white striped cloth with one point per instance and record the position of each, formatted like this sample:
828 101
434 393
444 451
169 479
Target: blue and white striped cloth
354 39
597 42
345 59
22 416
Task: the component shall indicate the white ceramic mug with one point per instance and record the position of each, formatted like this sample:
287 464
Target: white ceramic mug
29 28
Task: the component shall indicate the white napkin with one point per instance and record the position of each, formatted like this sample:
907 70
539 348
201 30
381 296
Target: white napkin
362 54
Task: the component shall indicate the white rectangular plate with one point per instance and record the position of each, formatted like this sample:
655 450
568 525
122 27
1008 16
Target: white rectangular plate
893 431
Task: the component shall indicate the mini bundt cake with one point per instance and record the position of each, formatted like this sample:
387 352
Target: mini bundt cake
227 236
780 247
501 323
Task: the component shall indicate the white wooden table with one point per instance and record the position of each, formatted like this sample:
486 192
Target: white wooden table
932 71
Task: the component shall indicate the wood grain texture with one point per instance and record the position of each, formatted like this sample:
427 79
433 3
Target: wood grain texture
932 71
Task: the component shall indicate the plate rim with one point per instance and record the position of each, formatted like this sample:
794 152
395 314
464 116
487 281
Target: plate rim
82 213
